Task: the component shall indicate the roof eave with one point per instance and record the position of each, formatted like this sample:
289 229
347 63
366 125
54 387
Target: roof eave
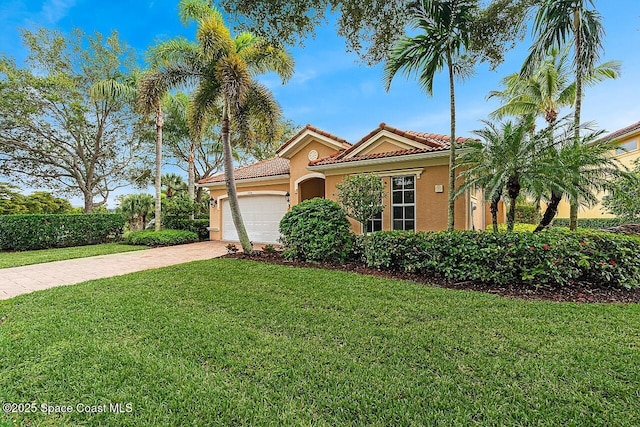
380 161
220 184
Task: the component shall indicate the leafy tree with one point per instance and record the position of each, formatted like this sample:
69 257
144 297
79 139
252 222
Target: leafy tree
53 132
223 69
41 202
623 199
371 27
11 201
561 23
445 27
361 196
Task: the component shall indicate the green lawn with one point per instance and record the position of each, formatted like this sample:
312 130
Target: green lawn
232 342
16 259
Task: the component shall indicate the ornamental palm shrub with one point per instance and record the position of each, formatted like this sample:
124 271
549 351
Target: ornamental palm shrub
316 230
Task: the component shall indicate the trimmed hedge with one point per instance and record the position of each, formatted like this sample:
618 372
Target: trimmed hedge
30 232
160 238
592 223
316 230
551 258
198 226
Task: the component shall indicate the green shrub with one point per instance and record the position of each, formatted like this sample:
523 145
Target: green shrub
526 213
517 228
198 226
591 223
30 232
160 238
555 257
316 230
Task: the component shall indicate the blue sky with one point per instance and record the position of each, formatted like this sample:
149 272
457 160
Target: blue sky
332 89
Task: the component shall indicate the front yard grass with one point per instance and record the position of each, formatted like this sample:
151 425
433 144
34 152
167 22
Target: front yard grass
16 259
234 342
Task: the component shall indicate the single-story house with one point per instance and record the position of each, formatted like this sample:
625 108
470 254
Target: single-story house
414 167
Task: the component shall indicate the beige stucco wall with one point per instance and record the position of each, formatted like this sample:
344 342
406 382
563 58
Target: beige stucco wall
431 207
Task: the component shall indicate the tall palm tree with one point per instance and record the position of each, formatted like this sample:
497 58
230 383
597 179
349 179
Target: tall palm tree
446 27
222 68
559 23
129 90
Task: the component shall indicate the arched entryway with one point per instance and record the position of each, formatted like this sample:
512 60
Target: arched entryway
310 186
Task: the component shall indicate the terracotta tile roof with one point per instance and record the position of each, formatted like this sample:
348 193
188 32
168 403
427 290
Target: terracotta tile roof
334 160
431 141
621 132
342 141
270 167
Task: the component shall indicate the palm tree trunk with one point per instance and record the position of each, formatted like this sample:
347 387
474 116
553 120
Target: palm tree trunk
513 190
158 183
495 200
452 150
192 174
550 212
230 182
577 31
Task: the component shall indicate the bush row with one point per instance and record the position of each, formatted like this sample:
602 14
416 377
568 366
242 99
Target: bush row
160 238
198 226
30 232
592 223
555 257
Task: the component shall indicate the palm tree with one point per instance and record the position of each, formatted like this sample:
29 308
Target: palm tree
544 93
173 184
136 208
129 90
222 68
509 158
446 26
559 23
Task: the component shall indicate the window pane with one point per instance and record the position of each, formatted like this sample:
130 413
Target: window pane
409 225
408 182
397 183
628 146
397 212
397 224
377 225
409 212
409 196
397 197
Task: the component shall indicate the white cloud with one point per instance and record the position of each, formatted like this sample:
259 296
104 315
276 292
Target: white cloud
54 10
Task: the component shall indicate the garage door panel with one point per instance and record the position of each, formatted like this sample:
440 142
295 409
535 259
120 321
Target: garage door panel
261 215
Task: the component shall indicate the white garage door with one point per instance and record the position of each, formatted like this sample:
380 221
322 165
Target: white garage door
261 214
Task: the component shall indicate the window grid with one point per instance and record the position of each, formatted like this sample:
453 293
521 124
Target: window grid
403 202
627 147
374 224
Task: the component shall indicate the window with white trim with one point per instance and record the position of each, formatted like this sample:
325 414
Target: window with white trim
627 147
403 202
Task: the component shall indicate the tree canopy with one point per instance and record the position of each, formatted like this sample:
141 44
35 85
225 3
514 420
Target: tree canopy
371 27
53 131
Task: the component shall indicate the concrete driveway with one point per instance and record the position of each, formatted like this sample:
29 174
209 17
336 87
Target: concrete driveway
22 280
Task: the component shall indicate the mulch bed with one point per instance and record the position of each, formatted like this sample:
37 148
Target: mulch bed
578 292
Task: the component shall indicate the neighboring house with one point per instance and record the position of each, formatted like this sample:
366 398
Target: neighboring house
628 151
414 167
